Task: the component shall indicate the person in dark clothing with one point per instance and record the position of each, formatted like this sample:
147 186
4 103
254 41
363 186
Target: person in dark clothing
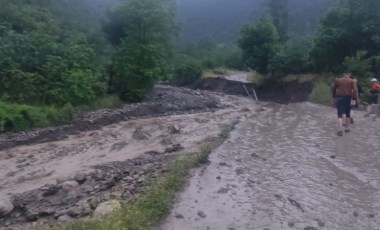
344 89
374 91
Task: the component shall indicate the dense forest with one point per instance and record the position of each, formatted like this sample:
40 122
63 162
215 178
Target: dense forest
60 56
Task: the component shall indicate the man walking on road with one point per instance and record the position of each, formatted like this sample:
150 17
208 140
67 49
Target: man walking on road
344 90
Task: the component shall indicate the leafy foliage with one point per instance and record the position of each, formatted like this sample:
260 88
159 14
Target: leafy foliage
144 52
321 94
187 72
351 26
359 65
16 117
278 10
259 43
293 57
213 55
42 64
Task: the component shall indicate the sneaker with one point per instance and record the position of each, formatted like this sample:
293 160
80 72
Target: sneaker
340 133
347 130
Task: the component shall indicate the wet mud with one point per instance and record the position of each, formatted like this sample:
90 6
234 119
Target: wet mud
285 168
164 101
284 93
68 178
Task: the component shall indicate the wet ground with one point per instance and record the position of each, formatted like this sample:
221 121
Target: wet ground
285 168
107 163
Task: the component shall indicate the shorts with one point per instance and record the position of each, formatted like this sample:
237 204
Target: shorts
343 105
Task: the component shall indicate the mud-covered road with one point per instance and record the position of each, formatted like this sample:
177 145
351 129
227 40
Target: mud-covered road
285 168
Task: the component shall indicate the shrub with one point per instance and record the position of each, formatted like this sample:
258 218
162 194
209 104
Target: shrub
292 58
109 101
15 117
321 94
359 65
186 73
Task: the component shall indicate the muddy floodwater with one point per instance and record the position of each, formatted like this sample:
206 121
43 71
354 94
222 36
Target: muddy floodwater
285 168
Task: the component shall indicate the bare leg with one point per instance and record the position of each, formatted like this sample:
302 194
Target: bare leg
351 119
341 125
347 122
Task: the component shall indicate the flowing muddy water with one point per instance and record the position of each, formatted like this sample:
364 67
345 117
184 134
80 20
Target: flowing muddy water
285 168
28 167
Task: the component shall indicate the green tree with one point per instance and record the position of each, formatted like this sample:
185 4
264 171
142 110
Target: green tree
259 43
293 57
350 26
144 52
359 65
278 10
187 71
43 58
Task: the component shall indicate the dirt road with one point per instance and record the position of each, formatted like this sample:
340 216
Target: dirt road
285 168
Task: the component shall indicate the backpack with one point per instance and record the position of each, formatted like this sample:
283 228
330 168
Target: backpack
375 87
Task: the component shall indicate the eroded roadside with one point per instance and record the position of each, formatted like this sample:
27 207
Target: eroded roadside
70 177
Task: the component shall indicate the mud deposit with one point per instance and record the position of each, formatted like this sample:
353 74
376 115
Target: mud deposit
284 168
164 101
284 93
69 177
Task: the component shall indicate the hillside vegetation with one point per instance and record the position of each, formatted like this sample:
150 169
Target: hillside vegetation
56 55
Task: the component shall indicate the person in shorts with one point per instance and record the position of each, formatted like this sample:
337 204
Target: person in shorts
374 92
344 90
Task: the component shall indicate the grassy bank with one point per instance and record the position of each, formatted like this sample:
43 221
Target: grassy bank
19 117
150 208
16 117
321 94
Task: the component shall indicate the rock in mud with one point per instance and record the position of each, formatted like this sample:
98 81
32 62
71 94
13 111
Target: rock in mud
65 218
166 141
320 223
80 177
201 214
153 152
310 228
174 148
174 129
68 185
107 207
223 191
179 216
82 208
119 146
296 204
5 207
139 135
239 171
49 190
